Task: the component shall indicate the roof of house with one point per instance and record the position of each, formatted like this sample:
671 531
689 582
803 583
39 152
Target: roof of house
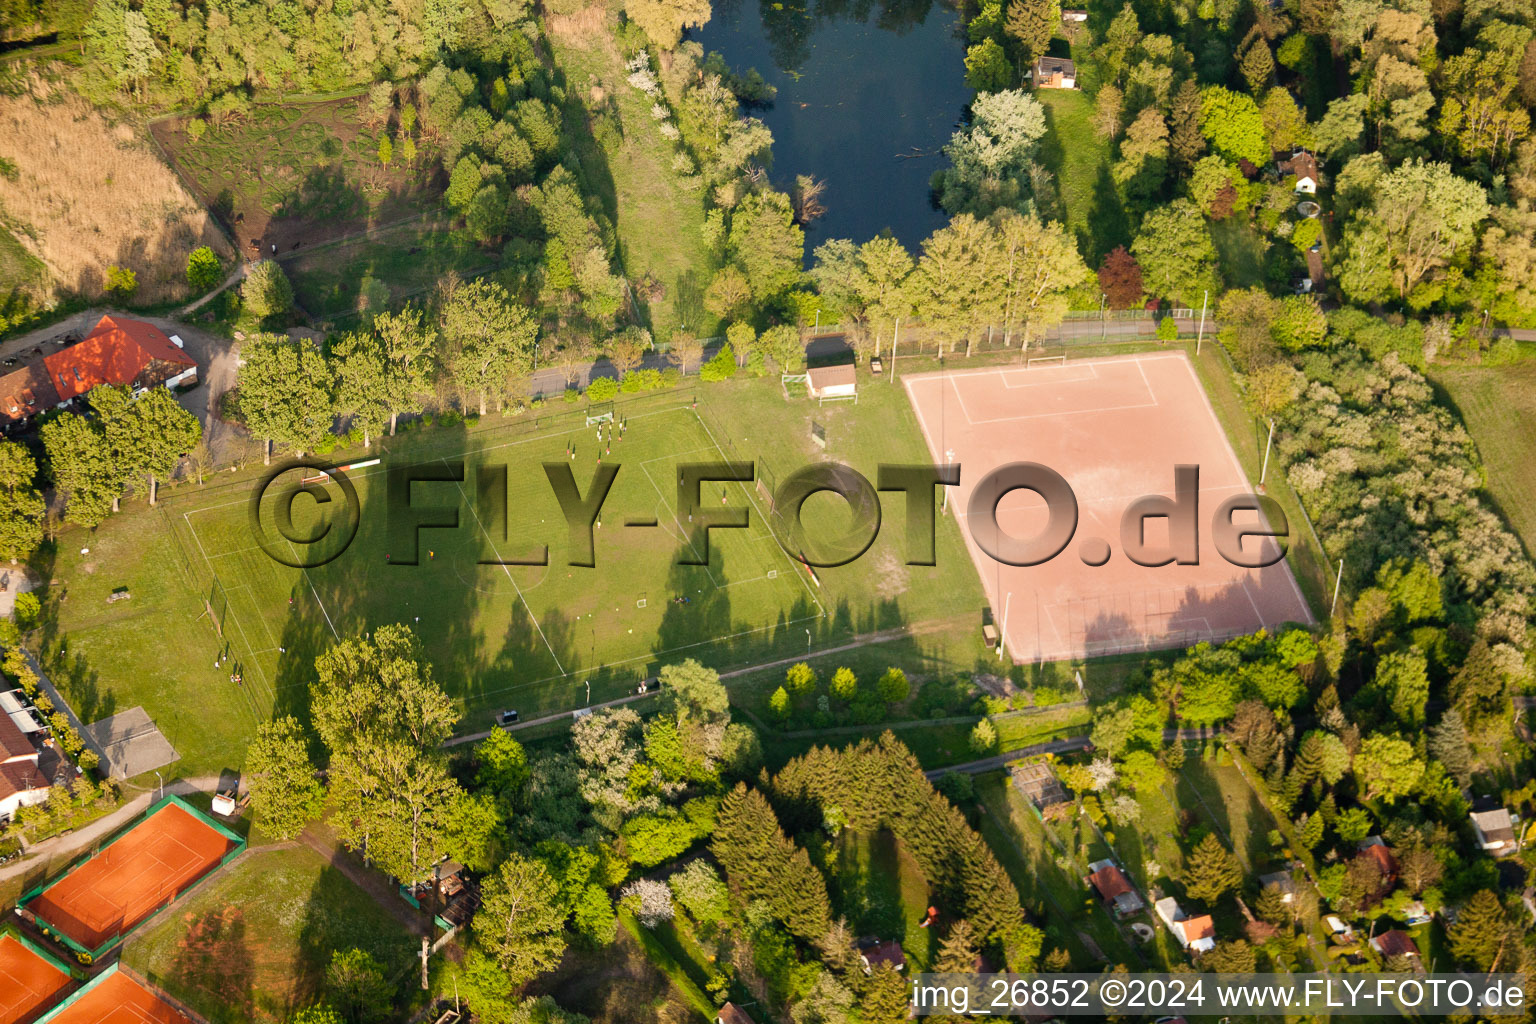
115 352
843 374
1381 854
730 1013
1494 822
888 952
1302 164
1051 65
21 777
1395 943
26 392
13 742
1281 878
1110 881
1196 928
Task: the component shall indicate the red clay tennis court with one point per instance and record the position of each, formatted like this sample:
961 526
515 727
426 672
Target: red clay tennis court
29 983
132 877
1114 429
115 998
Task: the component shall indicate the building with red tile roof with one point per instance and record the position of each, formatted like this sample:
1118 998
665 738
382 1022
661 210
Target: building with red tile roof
119 351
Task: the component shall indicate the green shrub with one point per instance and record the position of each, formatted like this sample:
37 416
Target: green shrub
1167 330
602 389
572 396
721 367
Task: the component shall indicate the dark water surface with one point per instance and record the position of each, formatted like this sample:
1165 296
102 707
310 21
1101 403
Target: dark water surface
868 94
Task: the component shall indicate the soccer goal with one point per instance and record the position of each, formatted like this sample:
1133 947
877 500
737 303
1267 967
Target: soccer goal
599 414
1044 361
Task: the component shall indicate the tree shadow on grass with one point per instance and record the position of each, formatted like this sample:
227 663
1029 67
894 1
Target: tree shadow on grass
1109 224
213 967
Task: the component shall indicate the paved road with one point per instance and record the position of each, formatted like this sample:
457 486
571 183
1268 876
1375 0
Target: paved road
996 761
66 847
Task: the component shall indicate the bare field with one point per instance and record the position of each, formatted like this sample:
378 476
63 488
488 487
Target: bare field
89 194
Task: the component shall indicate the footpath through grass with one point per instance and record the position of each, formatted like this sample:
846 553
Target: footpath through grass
254 945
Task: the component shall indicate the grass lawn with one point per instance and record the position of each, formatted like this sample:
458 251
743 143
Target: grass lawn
1055 897
1240 250
881 890
254 944
382 271
1498 405
298 172
21 273
635 978
1079 158
659 221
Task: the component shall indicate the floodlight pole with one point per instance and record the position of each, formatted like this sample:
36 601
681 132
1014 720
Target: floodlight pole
1103 316
949 459
1002 638
1200 337
1267 444
807 640
1336 583
895 339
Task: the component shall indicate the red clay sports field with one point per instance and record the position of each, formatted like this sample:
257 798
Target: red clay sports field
30 982
1115 429
115 998
133 876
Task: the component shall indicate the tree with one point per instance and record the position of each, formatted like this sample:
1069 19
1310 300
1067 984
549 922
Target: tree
1211 870
1448 744
687 349
1321 755
778 703
408 343
285 795
1403 677
519 923
952 290
1482 934
501 767
1108 111
1185 143
664 20
165 432
1143 162
1112 727
983 737
1120 279
204 270
844 685
1422 216
1284 123
1176 254
1033 23
893 687
1038 266
266 291
1232 123
1257 65
121 283
766 244
362 382
285 393
1387 767
319 1013
82 467
801 679
991 156
21 506
627 349
728 293
987 68
491 340
357 987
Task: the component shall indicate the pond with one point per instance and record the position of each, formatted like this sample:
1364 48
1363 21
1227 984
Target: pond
868 93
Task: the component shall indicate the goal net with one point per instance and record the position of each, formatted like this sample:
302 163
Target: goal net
1042 361
600 414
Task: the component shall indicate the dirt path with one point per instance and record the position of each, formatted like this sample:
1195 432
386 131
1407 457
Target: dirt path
318 838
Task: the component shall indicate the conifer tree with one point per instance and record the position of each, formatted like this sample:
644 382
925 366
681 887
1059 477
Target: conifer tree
1481 934
1211 870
